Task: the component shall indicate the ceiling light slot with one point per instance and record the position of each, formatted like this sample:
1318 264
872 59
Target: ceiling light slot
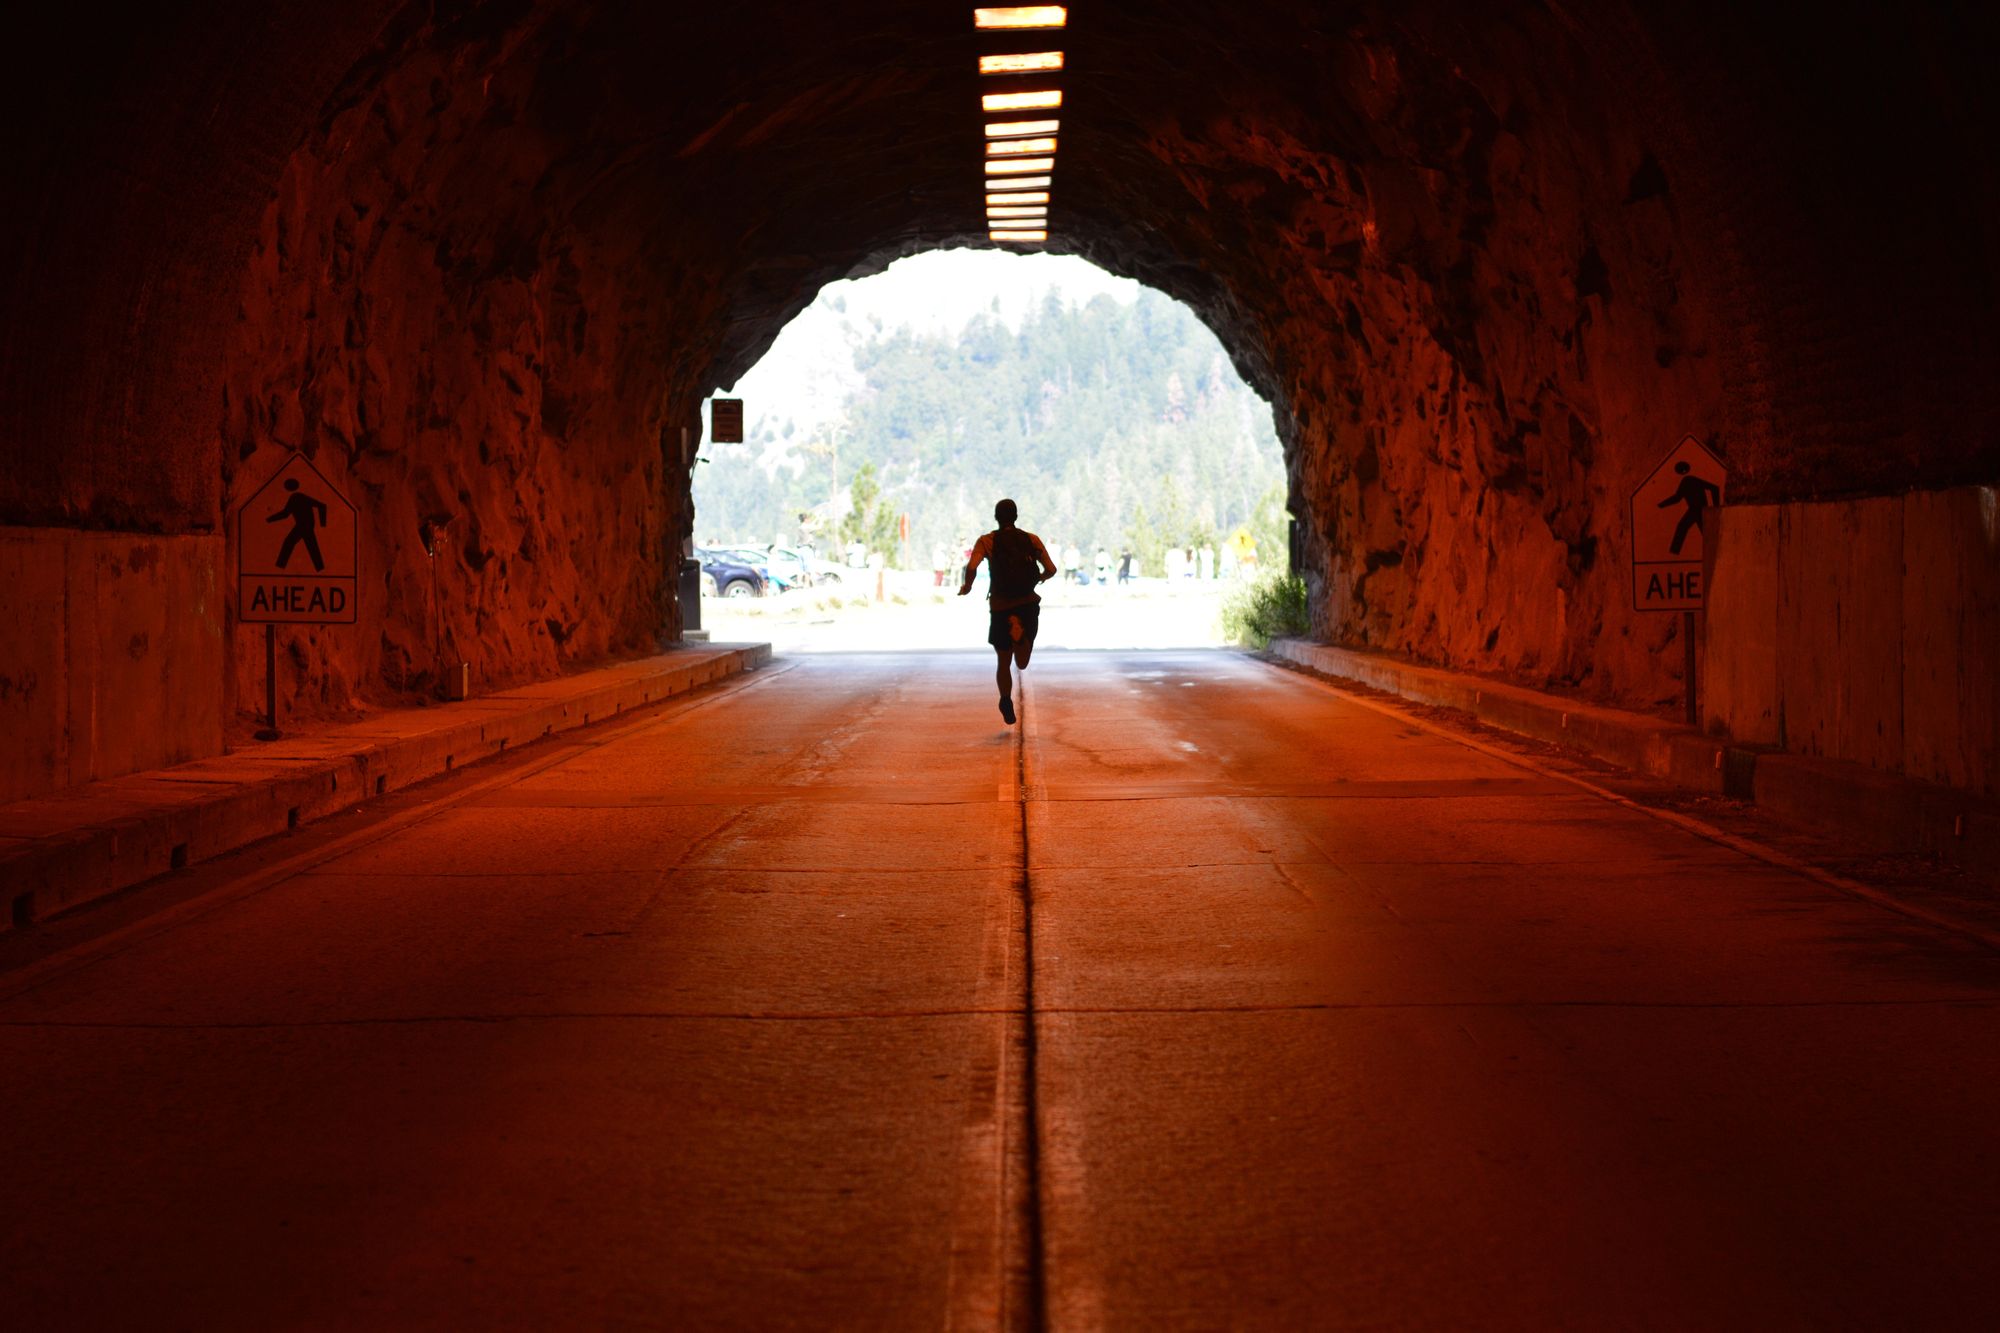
1020 147
1039 99
1026 62
1018 129
1016 17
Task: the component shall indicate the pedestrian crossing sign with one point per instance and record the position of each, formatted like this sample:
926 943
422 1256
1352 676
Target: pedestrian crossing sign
1672 513
295 551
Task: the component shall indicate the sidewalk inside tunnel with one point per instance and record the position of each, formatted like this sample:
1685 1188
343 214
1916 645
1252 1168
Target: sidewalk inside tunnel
826 999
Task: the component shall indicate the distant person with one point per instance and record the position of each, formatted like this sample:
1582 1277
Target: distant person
940 564
1072 563
1205 557
1103 566
309 515
1016 561
1693 492
1124 567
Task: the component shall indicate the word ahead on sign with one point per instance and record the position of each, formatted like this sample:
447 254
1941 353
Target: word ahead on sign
725 420
295 551
1671 513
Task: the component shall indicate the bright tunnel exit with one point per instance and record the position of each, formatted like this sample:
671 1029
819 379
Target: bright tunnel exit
893 412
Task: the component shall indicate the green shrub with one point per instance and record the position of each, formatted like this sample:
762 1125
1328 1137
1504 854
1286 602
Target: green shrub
1272 607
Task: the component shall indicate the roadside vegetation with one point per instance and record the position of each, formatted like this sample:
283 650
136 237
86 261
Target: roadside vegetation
1273 607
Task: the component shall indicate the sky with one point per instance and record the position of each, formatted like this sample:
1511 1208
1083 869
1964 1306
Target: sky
809 371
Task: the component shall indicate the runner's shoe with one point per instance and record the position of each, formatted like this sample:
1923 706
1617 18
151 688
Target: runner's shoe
1007 708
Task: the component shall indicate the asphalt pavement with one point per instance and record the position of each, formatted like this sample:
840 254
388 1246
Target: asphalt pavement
1209 997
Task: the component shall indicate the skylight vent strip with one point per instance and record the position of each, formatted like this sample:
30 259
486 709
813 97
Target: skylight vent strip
1020 147
1033 62
1010 166
1040 99
1020 129
1016 17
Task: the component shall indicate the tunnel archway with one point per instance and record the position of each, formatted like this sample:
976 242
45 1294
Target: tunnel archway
484 260
958 376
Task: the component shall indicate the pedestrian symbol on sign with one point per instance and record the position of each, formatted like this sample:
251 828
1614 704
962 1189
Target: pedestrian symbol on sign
1697 495
307 514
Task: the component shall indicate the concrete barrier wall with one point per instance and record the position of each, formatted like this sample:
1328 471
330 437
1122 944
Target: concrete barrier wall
1864 630
111 655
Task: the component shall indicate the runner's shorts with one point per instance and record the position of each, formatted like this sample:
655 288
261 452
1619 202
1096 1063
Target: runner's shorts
1001 637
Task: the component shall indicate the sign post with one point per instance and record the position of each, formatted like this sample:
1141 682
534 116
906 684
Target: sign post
296 540
1669 525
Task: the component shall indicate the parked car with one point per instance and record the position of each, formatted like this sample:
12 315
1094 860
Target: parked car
734 577
779 578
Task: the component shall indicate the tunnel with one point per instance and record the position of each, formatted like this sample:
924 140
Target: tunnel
480 263
483 263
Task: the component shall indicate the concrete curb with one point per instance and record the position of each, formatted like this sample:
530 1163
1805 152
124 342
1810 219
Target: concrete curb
66 849
1882 811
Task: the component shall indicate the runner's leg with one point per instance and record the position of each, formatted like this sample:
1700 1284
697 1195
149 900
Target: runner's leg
1006 683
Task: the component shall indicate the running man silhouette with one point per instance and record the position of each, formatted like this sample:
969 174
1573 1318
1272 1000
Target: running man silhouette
1016 561
1697 495
307 515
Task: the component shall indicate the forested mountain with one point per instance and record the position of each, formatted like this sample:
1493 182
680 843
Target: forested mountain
1111 423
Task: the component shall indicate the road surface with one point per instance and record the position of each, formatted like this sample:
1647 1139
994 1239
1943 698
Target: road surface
1210 997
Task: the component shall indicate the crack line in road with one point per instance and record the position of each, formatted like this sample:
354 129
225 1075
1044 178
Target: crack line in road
1030 1206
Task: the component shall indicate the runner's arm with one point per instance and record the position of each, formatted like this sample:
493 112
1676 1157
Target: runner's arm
1048 565
980 550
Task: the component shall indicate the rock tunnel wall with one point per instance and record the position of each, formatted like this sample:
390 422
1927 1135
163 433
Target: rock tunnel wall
480 261
439 318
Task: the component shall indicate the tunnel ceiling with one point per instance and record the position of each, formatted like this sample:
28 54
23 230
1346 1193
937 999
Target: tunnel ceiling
1487 261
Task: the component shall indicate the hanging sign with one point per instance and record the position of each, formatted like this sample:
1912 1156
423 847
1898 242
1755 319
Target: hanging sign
725 420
